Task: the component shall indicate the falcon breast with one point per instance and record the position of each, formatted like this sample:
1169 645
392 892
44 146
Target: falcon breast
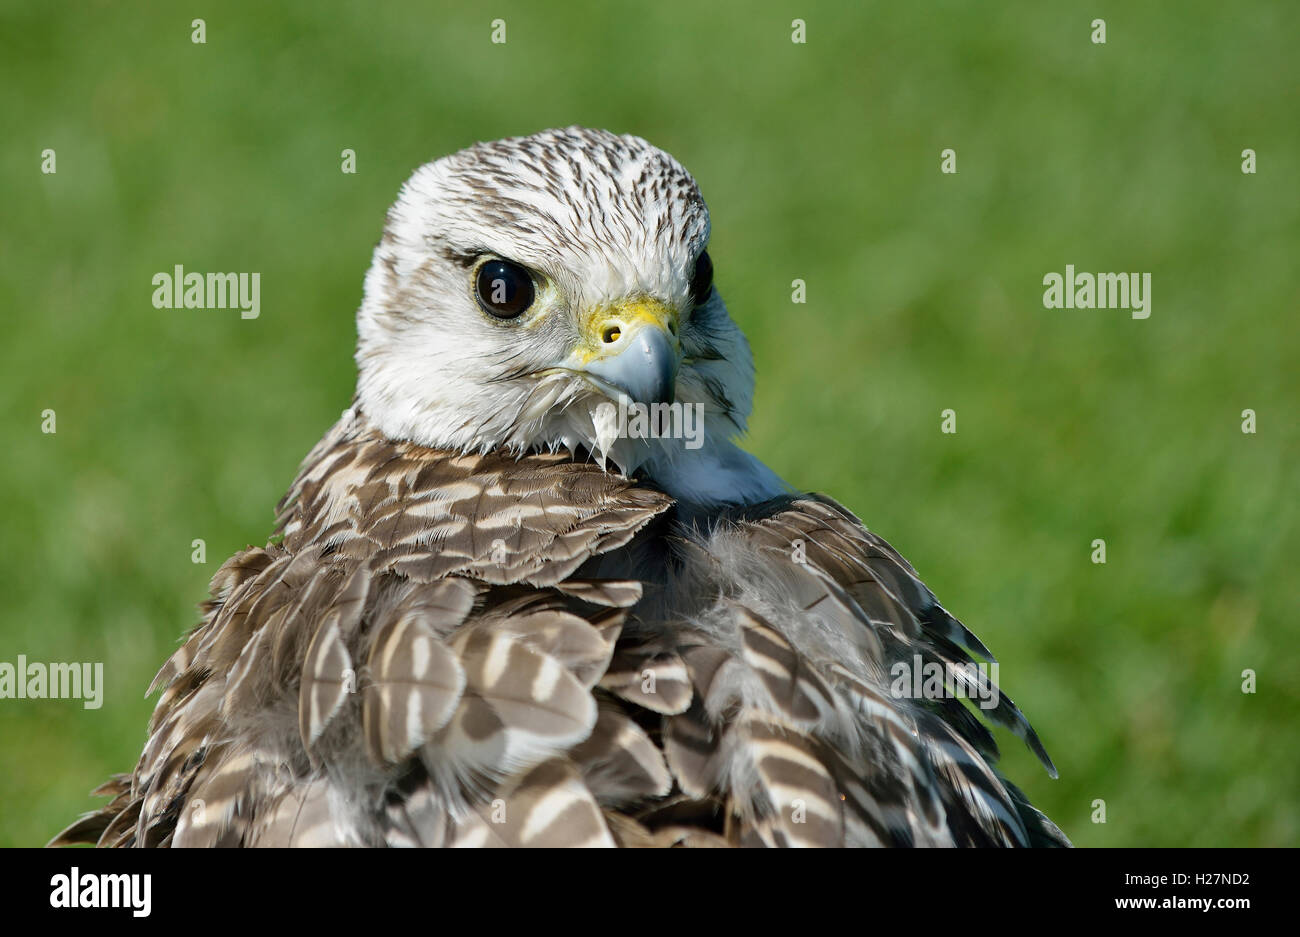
492 615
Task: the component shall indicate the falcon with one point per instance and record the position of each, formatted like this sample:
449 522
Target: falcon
493 615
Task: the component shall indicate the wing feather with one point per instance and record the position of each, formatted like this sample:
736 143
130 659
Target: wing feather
470 649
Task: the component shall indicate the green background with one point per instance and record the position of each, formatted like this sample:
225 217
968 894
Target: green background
820 162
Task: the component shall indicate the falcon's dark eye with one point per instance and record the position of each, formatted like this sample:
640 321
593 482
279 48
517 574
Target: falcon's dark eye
504 289
702 279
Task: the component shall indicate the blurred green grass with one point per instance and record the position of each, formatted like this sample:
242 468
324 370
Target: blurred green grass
820 162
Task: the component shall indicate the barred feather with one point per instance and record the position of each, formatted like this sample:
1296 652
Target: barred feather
471 650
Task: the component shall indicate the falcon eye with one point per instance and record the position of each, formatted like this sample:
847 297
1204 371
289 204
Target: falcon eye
702 279
504 289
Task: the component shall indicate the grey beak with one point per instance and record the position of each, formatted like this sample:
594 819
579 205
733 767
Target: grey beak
645 367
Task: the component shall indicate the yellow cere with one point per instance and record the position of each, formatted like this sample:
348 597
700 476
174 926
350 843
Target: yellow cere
620 317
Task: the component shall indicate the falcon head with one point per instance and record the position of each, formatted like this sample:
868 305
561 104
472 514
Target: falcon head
523 288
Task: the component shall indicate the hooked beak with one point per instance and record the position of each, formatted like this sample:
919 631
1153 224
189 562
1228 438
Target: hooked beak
633 348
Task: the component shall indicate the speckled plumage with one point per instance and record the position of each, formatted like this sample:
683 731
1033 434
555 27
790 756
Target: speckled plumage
481 624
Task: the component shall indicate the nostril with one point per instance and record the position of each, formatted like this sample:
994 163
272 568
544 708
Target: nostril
611 334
